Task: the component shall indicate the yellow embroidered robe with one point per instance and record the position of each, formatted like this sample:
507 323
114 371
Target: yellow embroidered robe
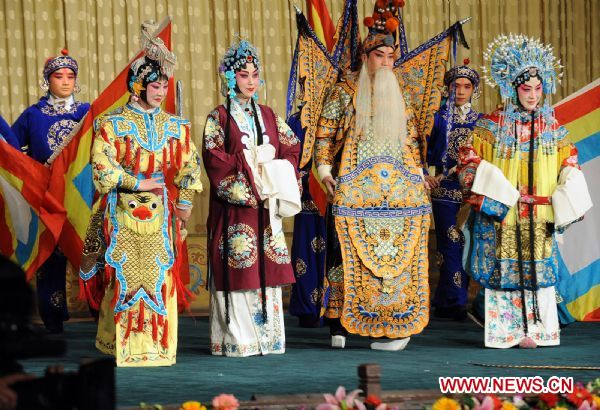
382 217
138 232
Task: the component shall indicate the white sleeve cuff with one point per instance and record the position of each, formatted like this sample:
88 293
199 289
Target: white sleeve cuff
324 171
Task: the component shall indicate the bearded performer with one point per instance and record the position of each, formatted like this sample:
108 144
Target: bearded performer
524 185
380 204
147 170
452 127
250 156
41 132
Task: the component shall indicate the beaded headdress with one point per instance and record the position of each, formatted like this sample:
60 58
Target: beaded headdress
382 24
56 63
157 61
463 71
513 59
236 57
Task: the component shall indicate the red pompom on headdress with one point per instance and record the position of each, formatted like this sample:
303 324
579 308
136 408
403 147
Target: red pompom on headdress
369 21
64 52
391 24
466 61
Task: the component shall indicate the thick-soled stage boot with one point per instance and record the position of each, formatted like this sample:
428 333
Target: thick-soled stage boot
391 345
338 341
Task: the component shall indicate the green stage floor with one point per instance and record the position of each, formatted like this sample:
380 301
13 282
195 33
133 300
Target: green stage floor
309 366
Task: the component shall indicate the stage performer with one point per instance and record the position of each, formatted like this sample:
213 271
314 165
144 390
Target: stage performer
147 170
452 127
249 153
308 249
525 185
42 131
380 204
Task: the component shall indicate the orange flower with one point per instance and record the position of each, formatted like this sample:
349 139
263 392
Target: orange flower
445 403
372 400
192 405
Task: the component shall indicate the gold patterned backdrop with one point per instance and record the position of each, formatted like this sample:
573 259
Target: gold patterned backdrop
103 35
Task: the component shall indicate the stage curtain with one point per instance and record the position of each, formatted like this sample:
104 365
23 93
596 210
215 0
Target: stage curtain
103 35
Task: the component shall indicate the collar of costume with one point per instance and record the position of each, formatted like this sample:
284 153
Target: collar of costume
67 102
382 25
136 107
239 54
245 122
62 61
157 61
509 57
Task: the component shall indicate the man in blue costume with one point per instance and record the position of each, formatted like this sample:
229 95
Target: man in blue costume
452 126
42 131
308 249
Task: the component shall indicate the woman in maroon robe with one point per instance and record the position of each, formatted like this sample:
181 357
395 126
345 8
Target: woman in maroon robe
248 270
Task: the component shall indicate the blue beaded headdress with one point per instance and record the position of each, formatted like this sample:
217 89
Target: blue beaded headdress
510 57
56 63
62 61
463 71
236 57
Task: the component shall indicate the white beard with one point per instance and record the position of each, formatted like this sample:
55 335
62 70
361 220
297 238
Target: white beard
380 105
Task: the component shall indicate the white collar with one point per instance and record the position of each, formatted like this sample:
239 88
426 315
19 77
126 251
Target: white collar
463 110
67 102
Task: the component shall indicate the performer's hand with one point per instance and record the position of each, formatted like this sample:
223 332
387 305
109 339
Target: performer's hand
329 183
431 182
183 214
150 184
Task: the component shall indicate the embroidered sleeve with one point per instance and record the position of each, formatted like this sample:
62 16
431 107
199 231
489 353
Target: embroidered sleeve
229 175
188 177
330 127
107 171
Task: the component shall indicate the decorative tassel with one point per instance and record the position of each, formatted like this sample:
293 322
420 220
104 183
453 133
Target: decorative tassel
187 140
164 160
129 324
171 156
104 136
136 167
164 341
118 317
140 324
127 151
161 320
150 169
154 328
118 148
179 155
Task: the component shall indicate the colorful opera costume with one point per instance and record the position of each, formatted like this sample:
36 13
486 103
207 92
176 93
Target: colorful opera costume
146 169
380 205
250 156
452 127
525 187
42 131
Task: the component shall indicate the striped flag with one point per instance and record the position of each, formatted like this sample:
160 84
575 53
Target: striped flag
30 218
71 171
579 250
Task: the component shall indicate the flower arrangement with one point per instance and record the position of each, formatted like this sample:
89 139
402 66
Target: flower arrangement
583 397
349 401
